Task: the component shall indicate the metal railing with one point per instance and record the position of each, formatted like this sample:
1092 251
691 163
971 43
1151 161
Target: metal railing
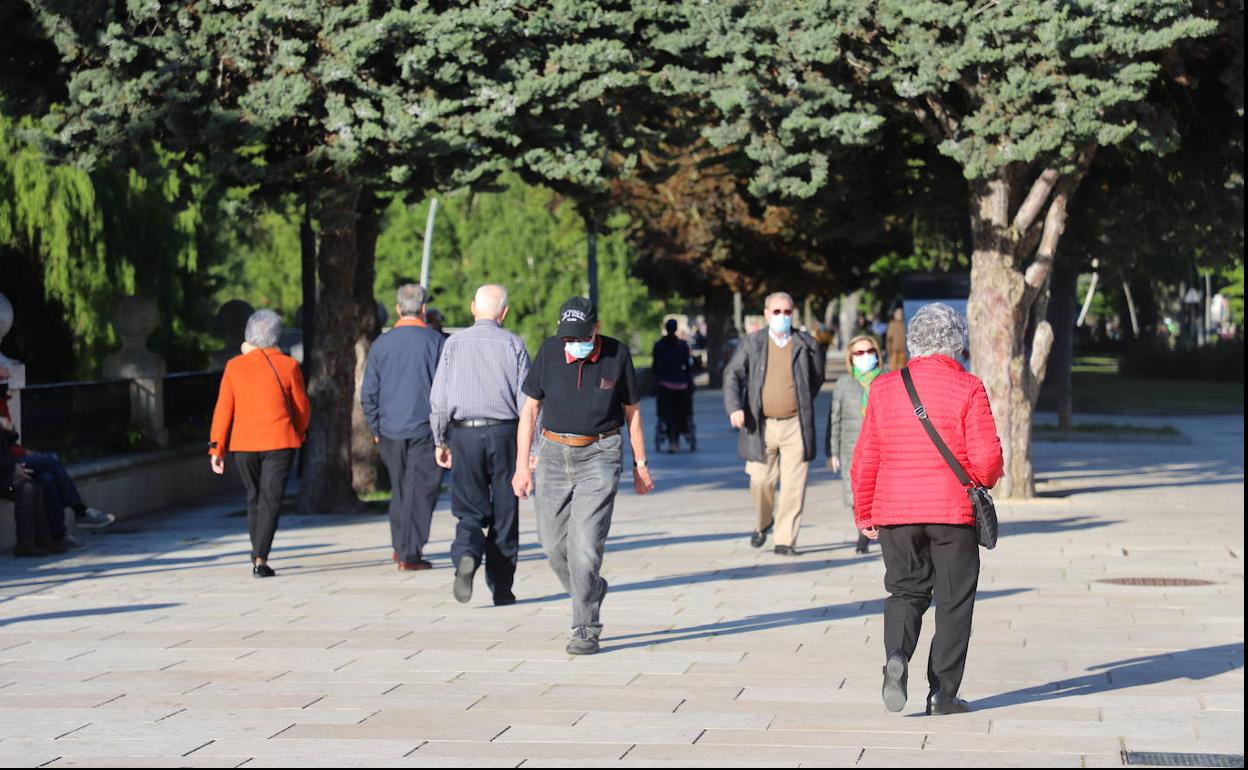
70 416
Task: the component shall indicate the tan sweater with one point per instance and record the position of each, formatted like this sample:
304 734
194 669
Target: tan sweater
779 391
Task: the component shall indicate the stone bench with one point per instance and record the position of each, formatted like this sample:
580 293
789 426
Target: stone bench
131 485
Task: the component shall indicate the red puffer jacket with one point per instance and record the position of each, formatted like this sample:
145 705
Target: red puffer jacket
899 476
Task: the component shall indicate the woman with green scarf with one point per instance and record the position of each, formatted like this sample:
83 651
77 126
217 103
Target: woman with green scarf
849 404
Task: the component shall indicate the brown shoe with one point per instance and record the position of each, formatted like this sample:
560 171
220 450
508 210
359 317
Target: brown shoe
394 556
414 566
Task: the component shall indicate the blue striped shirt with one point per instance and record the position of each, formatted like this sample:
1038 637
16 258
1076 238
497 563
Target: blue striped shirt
479 377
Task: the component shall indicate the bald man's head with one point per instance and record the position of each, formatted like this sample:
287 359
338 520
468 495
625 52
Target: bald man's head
490 303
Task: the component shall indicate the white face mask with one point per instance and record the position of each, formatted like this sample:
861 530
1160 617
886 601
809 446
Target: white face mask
866 363
781 324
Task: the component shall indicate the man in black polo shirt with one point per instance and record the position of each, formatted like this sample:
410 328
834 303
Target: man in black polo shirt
585 388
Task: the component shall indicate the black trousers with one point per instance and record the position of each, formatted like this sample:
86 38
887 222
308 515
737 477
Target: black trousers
674 408
924 562
31 520
415 480
264 477
487 510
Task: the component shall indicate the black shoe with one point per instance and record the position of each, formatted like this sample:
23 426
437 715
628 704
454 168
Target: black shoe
939 704
786 550
262 571
758 538
53 546
895 678
28 549
864 543
464 573
502 600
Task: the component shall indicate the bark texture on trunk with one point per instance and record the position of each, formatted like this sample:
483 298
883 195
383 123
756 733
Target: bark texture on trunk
1011 262
364 456
719 312
326 486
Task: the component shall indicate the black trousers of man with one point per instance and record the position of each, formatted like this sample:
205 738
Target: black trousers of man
488 512
415 480
923 562
264 477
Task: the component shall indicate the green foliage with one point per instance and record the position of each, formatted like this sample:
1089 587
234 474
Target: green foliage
260 260
528 239
1232 287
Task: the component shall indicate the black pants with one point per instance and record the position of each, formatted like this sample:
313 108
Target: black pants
31 519
924 562
674 408
264 477
415 480
487 510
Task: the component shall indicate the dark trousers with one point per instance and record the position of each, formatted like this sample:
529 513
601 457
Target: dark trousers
264 477
487 511
674 408
58 488
415 480
924 562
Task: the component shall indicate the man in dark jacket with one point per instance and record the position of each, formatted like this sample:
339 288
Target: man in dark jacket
769 394
395 397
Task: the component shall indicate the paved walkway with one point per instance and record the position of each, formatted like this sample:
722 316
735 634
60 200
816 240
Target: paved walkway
155 646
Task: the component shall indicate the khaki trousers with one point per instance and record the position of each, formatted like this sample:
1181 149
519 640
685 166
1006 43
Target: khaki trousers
785 464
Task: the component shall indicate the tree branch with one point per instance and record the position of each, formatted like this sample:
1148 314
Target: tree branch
1035 201
948 121
1055 222
1038 364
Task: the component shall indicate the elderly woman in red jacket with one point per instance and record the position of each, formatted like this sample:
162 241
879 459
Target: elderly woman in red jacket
907 497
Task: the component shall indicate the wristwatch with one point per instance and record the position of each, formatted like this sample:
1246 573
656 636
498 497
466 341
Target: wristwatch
640 464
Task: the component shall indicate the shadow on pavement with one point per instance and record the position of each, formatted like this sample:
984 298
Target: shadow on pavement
1194 664
769 621
85 613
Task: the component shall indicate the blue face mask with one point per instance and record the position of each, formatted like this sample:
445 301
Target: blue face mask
866 363
781 324
579 349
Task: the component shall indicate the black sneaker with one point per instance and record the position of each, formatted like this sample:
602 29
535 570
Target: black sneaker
894 690
583 642
939 704
464 573
262 571
758 538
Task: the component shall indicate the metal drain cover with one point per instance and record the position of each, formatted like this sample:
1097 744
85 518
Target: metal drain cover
1181 759
1157 582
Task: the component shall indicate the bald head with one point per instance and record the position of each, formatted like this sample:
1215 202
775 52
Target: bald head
490 303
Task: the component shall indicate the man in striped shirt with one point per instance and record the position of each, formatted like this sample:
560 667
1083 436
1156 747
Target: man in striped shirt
476 402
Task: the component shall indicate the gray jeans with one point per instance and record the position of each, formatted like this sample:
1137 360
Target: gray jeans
575 495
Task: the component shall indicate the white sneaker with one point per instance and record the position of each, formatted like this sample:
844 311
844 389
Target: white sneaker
95 519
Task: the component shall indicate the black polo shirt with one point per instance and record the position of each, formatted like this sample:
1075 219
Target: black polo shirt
585 397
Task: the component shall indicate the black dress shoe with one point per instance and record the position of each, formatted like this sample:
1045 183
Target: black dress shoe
786 550
53 546
895 677
758 538
28 549
502 600
262 571
939 704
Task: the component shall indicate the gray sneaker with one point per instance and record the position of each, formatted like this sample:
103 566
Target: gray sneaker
94 519
72 542
583 642
464 573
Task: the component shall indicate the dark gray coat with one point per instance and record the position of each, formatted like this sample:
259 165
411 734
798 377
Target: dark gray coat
844 424
743 389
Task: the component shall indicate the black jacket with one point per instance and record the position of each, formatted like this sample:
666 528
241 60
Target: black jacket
398 379
743 389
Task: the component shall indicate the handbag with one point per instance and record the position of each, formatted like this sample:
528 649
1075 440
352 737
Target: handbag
982 507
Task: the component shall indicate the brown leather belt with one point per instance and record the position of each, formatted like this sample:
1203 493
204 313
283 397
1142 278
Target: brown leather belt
578 441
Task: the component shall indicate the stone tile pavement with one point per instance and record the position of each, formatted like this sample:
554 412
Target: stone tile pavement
155 647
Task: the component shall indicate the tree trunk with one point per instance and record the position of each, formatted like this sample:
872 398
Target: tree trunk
326 486
364 456
718 321
1062 304
591 257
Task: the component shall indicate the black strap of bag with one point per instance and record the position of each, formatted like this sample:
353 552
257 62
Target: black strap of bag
981 501
290 410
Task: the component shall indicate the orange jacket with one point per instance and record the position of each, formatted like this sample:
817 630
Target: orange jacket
251 414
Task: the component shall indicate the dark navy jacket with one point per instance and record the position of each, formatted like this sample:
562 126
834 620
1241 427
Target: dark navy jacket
397 381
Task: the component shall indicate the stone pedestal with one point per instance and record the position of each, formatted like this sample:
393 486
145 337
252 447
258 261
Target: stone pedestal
230 327
134 320
17 370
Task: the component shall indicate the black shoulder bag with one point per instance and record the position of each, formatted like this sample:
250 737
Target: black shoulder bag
981 502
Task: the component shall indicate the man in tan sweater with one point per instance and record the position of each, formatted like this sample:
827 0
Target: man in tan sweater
769 391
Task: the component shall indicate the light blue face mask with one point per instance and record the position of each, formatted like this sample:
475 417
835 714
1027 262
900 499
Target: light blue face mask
781 324
866 363
579 349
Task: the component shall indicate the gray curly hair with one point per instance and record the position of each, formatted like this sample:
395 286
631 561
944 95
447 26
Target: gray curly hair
263 329
936 329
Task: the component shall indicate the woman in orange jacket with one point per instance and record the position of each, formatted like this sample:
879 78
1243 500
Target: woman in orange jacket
261 418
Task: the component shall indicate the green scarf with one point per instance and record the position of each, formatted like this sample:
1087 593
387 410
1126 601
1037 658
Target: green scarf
865 379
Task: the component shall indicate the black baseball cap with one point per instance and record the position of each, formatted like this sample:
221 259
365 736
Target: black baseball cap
577 319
